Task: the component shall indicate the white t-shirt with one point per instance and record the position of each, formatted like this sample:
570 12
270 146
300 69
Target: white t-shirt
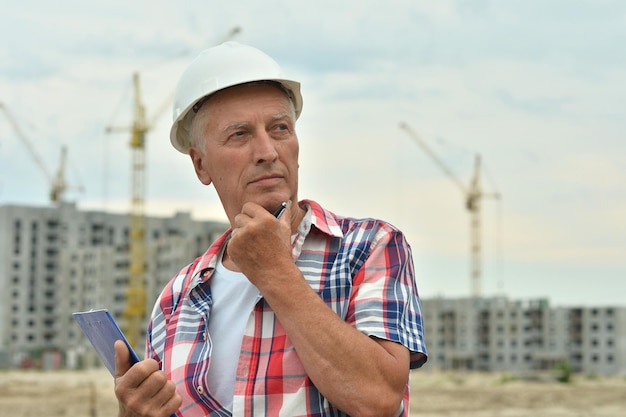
233 300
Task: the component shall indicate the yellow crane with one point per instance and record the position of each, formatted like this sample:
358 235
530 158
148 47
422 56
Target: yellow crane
58 185
135 311
473 196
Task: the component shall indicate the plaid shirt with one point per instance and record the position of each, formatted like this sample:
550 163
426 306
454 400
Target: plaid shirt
362 269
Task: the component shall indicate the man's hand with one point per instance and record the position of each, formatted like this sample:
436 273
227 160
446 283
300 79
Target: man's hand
259 242
143 389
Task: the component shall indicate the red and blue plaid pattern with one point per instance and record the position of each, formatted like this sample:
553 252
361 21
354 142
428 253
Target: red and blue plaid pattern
361 268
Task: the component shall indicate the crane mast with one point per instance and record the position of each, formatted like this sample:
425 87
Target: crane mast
472 199
136 291
134 312
473 195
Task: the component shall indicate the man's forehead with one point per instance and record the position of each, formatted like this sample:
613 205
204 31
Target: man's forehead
242 91
251 102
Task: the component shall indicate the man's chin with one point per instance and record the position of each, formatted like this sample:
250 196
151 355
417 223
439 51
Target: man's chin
272 202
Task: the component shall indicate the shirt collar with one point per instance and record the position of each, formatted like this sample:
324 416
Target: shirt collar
323 220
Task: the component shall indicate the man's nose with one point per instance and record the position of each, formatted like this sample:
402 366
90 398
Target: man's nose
264 148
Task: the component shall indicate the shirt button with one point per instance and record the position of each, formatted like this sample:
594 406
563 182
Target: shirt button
204 336
200 389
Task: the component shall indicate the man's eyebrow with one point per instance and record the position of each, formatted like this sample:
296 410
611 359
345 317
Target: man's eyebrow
241 125
281 116
235 126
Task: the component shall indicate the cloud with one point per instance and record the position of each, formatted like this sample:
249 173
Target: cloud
536 88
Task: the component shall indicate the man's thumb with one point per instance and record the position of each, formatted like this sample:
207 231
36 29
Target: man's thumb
122 358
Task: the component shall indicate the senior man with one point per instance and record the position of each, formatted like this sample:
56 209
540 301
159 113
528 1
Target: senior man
307 313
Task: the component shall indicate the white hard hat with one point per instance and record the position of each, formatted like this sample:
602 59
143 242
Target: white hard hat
216 68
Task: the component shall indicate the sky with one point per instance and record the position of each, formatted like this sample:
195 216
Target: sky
536 88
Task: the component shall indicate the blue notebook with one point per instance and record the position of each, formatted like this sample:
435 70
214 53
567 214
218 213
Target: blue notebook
102 331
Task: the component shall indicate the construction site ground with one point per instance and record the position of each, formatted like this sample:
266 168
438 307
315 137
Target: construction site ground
434 394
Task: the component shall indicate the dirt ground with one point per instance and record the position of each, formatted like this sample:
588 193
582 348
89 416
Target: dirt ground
491 395
90 394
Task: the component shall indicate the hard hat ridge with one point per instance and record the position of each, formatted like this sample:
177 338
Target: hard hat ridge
214 69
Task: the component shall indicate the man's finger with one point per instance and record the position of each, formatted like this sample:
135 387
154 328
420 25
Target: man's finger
122 358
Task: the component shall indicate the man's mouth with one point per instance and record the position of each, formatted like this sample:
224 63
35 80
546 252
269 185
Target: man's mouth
267 180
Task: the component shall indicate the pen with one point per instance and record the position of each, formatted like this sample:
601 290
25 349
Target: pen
280 210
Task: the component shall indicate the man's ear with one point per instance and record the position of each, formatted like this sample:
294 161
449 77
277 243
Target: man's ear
198 159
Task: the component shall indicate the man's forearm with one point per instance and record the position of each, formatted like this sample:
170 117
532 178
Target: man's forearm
358 374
